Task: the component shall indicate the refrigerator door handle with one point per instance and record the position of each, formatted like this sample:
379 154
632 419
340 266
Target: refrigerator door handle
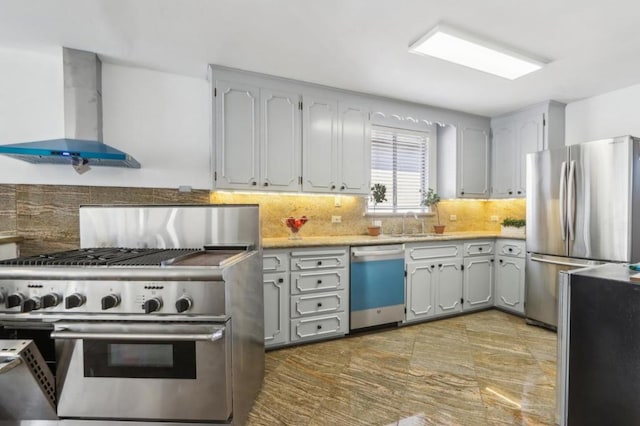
591 263
571 200
563 200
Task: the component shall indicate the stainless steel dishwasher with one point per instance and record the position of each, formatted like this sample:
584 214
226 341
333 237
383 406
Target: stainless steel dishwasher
377 285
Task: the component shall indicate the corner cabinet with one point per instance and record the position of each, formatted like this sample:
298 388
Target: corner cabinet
464 160
336 146
257 137
515 135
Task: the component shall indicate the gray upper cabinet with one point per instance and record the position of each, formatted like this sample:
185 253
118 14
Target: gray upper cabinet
257 137
463 160
520 133
280 136
473 167
336 146
320 144
237 125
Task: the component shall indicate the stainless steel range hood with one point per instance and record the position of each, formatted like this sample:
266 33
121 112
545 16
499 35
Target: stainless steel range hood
82 145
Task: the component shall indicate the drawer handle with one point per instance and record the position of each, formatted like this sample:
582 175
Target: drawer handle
253 183
319 281
440 265
491 260
319 262
319 327
280 280
510 249
433 266
500 260
479 248
319 304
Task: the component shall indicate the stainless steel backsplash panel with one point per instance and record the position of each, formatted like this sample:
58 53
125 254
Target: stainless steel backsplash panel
168 226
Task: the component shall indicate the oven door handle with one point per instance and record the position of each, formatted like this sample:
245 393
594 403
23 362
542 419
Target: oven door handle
80 335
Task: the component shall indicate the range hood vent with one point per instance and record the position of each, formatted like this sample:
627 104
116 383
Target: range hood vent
82 145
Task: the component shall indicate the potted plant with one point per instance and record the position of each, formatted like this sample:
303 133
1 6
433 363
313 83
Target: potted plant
511 226
431 200
378 195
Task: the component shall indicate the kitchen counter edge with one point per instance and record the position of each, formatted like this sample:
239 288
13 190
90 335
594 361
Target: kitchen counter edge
10 239
366 240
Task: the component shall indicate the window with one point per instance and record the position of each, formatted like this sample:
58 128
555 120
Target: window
403 160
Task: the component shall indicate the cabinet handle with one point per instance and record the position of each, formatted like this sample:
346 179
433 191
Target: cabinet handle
319 263
254 183
319 327
510 249
440 265
479 248
280 280
265 184
433 266
342 188
519 192
333 187
319 281
500 260
461 192
491 260
319 304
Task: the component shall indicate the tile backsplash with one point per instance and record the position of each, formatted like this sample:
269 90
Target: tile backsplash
47 217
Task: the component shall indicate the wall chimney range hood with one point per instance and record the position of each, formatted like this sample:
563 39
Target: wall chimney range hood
82 145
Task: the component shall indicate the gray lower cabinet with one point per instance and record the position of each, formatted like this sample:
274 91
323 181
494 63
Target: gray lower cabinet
434 280
510 290
276 297
478 274
319 286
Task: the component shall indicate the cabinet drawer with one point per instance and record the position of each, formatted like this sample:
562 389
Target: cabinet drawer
475 248
511 248
318 327
432 251
274 261
313 281
318 259
318 304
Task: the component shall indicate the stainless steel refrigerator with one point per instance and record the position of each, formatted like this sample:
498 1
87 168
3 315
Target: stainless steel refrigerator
583 208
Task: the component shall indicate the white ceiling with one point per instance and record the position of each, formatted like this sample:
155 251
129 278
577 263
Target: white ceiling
359 45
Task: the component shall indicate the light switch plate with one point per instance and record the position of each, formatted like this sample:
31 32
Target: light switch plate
337 201
494 218
453 218
336 219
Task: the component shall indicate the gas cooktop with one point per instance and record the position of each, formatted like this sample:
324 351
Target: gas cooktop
104 256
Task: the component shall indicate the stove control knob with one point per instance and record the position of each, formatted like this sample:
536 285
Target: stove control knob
152 305
14 300
184 304
110 301
50 300
74 301
29 305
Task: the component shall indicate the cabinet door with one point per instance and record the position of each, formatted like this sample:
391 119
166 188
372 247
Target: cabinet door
510 283
276 308
478 282
473 167
237 123
319 144
504 156
354 141
449 286
420 290
530 138
281 140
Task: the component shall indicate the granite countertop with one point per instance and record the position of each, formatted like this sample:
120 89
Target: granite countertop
6 239
366 240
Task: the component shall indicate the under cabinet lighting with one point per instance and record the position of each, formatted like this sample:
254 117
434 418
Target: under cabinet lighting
452 45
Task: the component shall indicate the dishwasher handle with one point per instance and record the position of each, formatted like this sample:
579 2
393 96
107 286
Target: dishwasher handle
363 253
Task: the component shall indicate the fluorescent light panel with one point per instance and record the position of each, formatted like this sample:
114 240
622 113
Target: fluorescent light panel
455 46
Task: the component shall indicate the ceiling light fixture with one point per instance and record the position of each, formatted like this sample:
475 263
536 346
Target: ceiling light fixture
452 45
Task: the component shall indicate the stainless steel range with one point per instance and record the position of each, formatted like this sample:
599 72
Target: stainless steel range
167 329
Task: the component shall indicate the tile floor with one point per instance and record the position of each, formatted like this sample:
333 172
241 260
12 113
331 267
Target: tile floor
487 368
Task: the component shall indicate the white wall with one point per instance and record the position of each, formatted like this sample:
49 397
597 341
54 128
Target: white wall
611 114
161 119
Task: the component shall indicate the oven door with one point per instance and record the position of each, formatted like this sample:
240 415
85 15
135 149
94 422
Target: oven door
115 370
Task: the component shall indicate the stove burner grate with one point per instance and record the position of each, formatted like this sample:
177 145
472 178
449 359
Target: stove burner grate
102 257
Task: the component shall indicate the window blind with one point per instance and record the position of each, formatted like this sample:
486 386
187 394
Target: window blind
400 160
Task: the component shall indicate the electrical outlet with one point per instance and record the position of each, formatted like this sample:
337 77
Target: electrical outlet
453 218
337 201
494 218
336 219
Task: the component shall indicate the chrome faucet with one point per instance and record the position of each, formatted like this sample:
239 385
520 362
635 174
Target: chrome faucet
415 216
